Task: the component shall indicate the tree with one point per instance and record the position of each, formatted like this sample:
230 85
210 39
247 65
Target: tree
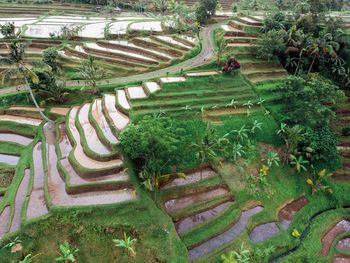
299 163
272 159
308 101
127 243
160 5
50 56
67 254
48 86
153 144
20 71
270 44
8 30
91 73
205 9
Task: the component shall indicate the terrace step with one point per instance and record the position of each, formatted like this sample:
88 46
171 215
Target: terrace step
15 138
37 204
56 184
244 39
135 92
202 73
128 46
122 100
89 136
83 164
256 77
148 43
242 25
151 87
250 21
4 221
169 41
172 79
116 119
20 120
119 54
100 123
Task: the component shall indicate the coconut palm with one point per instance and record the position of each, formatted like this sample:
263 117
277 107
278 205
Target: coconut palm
19 70
221 46
67 254
13 243
91 73
127 243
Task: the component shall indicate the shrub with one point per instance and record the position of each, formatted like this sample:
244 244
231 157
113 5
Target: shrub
346 131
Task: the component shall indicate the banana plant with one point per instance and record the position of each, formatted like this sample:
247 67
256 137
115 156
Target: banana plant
67 254
127 243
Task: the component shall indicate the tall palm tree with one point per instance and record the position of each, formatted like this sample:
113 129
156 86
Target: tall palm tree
18 69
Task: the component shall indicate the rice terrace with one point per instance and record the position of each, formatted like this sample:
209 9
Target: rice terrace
206 131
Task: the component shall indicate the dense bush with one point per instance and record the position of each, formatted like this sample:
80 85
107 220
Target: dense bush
307 101
346 131
324 143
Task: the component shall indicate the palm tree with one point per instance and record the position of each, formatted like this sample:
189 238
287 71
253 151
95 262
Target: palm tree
20 70
91 73
127 243
67 254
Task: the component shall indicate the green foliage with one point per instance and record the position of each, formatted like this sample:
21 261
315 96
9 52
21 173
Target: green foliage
67 254
324 144
50 56
205 9
270 44
91 73
48 87
259 255
127 243
153 143
8 30
346 131
274 21
307 101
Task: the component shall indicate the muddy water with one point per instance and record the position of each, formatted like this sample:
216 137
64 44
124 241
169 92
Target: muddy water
147 26
56 184
341 260
4 219
64 142
263 232
90 134
20 120
102 121
172 79
123 101
76 179
37 205
60 111
20 197
191 221
287 213
341 227
119 119
9 159
79 154
136 92
16 138
344 244
176 204
152 86
225 237
202 74
191 178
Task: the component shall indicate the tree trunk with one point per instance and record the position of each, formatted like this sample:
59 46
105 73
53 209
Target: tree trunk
312 64
296 70
33 98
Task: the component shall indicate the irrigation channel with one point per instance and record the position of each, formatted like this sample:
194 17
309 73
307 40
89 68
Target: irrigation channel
279 257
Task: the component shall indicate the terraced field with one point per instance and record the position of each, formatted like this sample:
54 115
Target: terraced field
343 114
75 162
126 45
242 33
202 95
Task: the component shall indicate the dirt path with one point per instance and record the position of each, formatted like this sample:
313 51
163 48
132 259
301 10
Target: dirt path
202 58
